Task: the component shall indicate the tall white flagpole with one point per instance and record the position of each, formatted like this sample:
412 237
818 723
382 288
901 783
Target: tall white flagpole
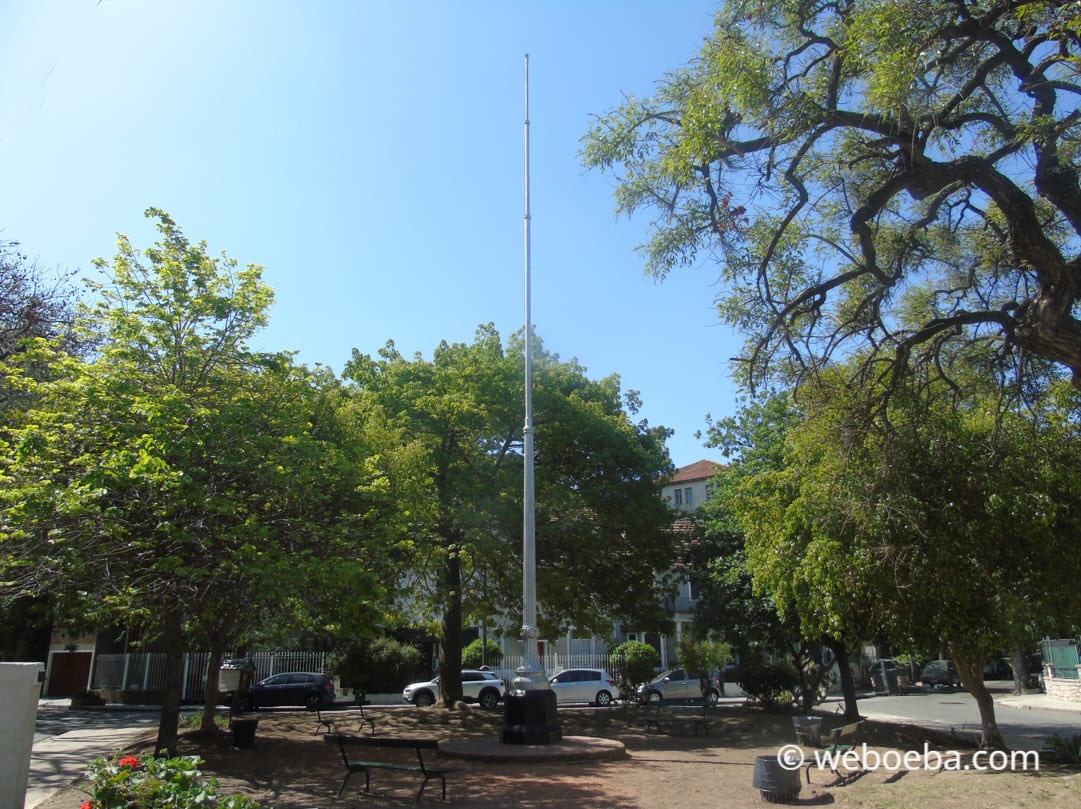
530 675
530 706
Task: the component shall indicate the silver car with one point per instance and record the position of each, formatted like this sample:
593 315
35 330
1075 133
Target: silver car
595 686
677 684
482 687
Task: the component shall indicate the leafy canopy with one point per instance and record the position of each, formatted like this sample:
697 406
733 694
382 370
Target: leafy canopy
899 176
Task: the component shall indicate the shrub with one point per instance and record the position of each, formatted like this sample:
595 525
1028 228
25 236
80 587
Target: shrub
196 720
631 663
472 657
382 666
151 783
1066 750
769 684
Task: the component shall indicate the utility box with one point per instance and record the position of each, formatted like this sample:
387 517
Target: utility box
19 690
235 678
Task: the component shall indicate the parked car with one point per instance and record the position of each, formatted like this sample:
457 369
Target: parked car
479 686
678 684
292 688
998 669
940 672
595 686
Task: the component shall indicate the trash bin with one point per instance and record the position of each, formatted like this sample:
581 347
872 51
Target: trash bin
244 732
808 730
777 783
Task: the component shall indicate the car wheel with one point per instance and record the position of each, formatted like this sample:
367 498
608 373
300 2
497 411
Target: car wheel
423 699
489 698
312 701
712 698
655 697
603 699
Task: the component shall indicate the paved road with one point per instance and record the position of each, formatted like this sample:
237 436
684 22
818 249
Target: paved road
1026 722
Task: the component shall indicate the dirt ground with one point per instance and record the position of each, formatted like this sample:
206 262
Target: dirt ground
291 767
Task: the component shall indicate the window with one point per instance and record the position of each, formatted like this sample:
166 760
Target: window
688 495
679 497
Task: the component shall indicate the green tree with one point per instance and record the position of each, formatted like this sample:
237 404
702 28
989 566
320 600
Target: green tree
931 520
743 606
634 662
703 658
482 653
181 483
599 514
848 163
33 304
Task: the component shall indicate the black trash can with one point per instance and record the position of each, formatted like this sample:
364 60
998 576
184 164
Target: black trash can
244 732
778 784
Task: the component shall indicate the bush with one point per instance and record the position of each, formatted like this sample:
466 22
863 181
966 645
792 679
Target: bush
196 720
382 666
472 657
1066 749
769 684
631 663
152 783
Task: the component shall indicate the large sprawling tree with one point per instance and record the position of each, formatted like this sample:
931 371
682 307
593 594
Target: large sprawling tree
893 175
600 520
939 524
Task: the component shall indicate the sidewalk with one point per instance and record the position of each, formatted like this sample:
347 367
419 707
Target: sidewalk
1037 701
58 760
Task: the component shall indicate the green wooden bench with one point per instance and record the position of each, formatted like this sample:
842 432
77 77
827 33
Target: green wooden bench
841 740
663 718
352 765
328 715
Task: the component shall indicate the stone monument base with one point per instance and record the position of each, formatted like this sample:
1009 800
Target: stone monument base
530 718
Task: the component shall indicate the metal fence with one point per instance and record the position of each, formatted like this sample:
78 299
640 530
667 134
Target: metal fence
146 672
1062 656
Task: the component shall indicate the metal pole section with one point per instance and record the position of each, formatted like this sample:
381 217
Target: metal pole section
530 675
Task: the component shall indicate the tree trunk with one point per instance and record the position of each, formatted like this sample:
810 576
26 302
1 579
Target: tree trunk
1019 664
213 679
808 682
848 682
970 671
450 645
169 724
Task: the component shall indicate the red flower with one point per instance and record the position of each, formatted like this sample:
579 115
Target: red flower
87 805
127 761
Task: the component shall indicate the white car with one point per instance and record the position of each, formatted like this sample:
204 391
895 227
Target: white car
595 686
483 687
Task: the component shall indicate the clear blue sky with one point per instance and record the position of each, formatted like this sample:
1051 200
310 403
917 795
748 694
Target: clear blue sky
370 156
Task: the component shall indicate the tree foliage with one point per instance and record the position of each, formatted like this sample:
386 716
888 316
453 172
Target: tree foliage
180 483
897 177
599 515
932 523
633 662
